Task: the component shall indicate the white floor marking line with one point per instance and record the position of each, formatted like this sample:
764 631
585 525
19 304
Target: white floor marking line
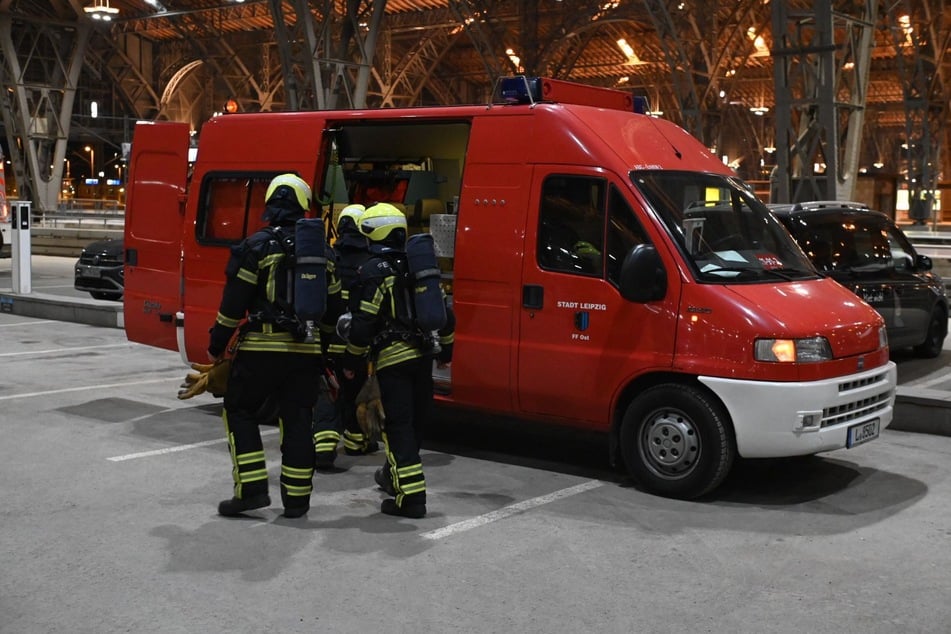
195 445
28 323
52 350
10 397
932 381
506 511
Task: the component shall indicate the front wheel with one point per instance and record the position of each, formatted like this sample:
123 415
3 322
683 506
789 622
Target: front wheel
934 340
677 441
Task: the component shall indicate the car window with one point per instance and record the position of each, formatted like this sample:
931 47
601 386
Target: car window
725 233
837 242
230 206
571 225
903 254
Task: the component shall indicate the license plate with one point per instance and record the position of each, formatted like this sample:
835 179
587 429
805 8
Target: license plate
862 433
89 271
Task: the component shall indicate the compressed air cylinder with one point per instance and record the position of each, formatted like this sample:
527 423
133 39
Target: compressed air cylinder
425 275
310 271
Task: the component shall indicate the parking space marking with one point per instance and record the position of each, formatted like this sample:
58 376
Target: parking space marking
935 380
29 323
52 350
512 509
82 388
176 448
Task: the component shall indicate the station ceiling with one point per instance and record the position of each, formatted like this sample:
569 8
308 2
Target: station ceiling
724 48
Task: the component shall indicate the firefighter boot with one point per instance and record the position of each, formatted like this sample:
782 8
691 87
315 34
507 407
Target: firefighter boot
236 506
295 505
384 481
371 447
414 511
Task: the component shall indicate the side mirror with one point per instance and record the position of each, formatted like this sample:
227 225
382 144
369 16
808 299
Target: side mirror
923 263
643 277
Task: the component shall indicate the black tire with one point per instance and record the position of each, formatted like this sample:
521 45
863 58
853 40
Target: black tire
101 295
677 441
934 340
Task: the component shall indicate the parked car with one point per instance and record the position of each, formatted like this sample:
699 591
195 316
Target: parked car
99 269
866 252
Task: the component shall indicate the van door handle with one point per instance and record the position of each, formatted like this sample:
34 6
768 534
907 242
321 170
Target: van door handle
533 296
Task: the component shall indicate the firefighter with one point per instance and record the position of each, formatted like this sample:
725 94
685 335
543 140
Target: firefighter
330 415
401 355
276 365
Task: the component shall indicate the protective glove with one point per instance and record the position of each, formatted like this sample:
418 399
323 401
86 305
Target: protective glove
370 415
194 385
210 377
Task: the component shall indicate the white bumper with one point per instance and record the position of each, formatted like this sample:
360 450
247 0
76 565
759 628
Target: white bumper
794 419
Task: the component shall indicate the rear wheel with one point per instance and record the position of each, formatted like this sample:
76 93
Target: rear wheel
677 441
934 340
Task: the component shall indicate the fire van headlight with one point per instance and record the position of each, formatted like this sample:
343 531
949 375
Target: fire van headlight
809 350
882 337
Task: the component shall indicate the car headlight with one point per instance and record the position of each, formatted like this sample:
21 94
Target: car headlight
882 337
811 350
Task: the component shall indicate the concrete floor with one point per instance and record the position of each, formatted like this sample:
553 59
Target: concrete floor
108 523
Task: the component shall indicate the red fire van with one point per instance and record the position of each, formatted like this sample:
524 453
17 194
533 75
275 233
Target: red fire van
606 270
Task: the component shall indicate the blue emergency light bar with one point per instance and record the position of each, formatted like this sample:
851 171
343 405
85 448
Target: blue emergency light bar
531 90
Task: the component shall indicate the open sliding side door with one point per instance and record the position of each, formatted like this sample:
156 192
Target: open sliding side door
155 211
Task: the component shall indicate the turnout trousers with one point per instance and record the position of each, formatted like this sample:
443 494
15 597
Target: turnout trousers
331 417
406 392
268 387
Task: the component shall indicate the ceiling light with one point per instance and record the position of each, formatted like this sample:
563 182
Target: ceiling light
628 51
759 111
100 10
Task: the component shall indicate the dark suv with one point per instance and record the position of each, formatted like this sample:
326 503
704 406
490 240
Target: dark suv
867 253
99 269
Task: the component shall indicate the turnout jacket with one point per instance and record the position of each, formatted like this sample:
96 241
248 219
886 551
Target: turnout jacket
377 330
257 290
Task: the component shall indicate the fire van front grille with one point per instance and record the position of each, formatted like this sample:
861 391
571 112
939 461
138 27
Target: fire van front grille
858 383
861 408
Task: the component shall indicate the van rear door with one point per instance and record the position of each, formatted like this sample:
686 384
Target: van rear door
158 173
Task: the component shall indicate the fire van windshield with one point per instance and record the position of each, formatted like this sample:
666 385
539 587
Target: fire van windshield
725 233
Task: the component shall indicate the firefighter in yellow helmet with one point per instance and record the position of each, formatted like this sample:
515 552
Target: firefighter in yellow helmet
277 363
351 250
402 357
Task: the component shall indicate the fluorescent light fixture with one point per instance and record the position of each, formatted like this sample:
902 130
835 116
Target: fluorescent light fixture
759 111
628 51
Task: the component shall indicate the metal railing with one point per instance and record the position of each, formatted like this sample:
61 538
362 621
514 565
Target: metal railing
80 213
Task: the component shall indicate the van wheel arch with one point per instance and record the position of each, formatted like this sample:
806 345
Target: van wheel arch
676 439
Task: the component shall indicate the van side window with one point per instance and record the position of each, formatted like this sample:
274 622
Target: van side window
624 233
571 225
230 207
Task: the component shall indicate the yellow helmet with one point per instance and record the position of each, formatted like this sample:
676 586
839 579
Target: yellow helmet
353 212
294 185
380 220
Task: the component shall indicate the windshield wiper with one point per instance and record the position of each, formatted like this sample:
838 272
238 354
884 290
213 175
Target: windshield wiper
790 274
